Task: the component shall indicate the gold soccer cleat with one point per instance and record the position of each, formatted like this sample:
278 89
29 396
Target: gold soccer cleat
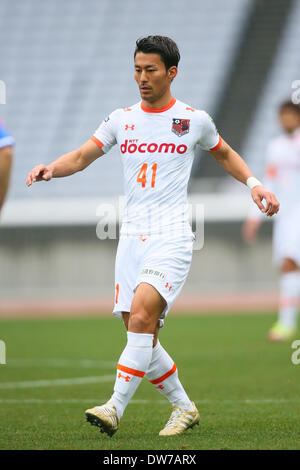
104 417
180 420
280 332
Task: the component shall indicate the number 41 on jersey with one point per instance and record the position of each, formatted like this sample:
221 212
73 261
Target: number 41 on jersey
142 176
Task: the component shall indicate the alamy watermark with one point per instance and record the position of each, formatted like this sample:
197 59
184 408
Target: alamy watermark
2 352
155 220
295 358
2 92
295 97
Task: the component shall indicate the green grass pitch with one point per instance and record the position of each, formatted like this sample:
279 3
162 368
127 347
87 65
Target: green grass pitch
246 389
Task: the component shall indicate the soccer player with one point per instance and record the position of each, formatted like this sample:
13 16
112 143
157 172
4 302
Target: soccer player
282 175
157 138
6 157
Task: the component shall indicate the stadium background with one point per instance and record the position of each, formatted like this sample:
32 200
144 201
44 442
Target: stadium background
66 65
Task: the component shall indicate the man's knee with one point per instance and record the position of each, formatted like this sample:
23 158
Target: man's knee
140 320
146 308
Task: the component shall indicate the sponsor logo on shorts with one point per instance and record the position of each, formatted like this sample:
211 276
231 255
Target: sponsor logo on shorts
154 273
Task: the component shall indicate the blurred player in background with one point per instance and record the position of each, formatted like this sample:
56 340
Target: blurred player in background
6 157
282 175
157 138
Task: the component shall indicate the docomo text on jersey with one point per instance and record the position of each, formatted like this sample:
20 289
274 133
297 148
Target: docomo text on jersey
132 147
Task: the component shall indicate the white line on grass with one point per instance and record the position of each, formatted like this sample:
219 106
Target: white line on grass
57 362
57 382
143 402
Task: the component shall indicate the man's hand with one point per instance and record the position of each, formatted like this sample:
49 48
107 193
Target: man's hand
39 173
67 164
272 205
236 167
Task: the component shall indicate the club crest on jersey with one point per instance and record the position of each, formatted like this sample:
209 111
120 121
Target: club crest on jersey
181 126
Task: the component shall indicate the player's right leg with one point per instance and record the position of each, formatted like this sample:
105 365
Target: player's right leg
126 269
105 416
147 307
285 328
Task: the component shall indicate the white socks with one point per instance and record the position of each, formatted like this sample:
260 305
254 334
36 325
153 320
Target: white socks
138 357
289 298
163 374
132 366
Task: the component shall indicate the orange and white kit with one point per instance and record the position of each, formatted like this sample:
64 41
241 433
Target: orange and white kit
157 148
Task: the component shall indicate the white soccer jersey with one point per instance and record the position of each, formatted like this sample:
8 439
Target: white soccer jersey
282 173
282 176
157 149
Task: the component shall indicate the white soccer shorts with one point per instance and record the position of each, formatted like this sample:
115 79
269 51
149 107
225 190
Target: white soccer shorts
162 261
286 237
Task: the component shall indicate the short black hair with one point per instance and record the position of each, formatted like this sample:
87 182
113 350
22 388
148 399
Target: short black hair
290 106
162 45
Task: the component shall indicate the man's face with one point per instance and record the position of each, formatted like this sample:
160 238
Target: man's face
289 120
151 76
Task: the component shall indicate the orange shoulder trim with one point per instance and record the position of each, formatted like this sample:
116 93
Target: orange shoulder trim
97 141
217 146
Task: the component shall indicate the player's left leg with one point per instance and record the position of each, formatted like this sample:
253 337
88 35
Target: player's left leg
163 374
286 325
166 267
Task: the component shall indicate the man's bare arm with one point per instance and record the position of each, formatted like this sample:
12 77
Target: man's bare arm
236 167
6 157
67 164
